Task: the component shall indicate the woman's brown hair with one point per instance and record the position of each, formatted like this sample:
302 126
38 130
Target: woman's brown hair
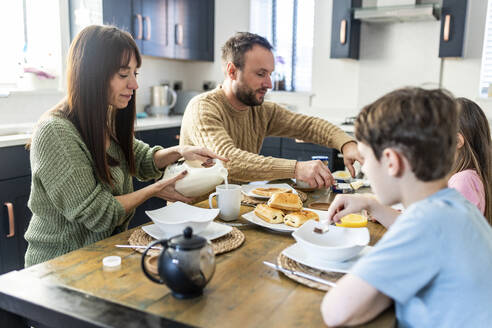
96 54
476 152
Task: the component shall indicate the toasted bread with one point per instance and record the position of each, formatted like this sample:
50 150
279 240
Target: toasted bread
269 191
296 219
268 214
285 201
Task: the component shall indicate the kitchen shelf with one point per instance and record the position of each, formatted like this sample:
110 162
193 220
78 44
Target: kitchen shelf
398 14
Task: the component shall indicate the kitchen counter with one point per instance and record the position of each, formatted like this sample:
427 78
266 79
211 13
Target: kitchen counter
19 134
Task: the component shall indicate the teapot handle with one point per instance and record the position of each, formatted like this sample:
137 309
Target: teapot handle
163 242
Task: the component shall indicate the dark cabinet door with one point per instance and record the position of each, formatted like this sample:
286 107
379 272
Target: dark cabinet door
14 193
156 22
303 151
271 146
193 29
345 30
453 19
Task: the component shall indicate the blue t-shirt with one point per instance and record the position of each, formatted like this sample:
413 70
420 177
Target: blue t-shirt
435 262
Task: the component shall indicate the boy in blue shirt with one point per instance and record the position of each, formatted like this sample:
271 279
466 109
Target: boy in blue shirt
435 260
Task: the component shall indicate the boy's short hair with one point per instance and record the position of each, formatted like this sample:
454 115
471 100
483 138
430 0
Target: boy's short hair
235 48
421 124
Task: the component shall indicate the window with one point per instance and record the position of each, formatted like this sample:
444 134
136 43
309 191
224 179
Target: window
486 71
33 44
289 26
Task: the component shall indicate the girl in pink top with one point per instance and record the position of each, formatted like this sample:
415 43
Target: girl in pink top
472 171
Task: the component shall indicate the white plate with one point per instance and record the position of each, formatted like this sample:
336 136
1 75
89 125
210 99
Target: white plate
179 212
246 189
213 231
251 217
177 216
337 244
297 253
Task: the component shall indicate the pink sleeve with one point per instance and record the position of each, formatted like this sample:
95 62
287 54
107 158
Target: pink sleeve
468 183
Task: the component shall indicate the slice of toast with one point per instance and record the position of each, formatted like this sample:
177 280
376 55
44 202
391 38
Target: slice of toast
268 214
285 201
269 191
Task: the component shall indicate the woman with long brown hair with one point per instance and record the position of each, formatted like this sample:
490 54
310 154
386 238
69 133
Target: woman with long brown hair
84 154
472 171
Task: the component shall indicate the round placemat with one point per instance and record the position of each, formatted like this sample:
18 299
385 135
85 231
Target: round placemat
247 200
221 245
290 264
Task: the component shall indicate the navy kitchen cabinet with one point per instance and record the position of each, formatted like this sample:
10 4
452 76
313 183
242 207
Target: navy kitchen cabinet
345 30
180 29
15 186
193 29
302 151
166 137
271 146
453 21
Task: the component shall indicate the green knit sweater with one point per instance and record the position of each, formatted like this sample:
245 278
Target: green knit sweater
71 207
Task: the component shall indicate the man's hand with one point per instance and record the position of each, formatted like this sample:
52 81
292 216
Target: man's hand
350 155
315 173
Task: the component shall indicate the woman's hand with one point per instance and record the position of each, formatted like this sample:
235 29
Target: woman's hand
165 189
197 153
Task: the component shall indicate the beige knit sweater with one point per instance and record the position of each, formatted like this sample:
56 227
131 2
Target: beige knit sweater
212 122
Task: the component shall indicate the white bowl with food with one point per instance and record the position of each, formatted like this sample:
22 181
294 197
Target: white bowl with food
337 244
174 218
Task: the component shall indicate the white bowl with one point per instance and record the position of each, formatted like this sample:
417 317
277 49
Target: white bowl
173 219
338 244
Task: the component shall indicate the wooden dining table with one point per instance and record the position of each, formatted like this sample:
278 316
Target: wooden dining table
74 290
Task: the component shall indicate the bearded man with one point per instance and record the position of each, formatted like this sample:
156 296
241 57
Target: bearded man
233 120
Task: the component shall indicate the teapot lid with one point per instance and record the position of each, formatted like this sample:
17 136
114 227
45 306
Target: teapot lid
187 241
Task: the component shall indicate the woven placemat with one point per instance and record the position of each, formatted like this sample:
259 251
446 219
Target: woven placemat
221 245
290 264
251 201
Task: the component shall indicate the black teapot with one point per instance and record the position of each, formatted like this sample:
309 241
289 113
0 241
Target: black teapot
186 264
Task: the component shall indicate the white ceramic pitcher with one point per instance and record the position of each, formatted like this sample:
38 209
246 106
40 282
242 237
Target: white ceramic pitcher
199 180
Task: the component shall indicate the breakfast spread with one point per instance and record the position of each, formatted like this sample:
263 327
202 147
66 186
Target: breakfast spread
285 201
285 208
297 219
268 214
270 191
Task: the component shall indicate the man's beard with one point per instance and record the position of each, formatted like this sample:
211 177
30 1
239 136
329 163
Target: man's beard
246 95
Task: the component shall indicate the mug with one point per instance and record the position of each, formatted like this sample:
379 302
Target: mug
228 200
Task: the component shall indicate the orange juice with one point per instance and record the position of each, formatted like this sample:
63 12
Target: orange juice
353 221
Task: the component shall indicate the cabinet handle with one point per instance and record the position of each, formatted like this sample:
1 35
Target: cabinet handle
10 209
149 27
140 26
447 24
343 31
178 34
177 137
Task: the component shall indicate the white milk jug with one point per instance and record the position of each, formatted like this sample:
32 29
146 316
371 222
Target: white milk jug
199 180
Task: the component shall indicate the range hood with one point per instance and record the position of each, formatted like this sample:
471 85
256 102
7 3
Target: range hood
392 14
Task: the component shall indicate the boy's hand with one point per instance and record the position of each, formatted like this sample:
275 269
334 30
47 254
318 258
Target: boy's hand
346 204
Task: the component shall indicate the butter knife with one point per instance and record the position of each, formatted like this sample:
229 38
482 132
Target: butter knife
300 274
